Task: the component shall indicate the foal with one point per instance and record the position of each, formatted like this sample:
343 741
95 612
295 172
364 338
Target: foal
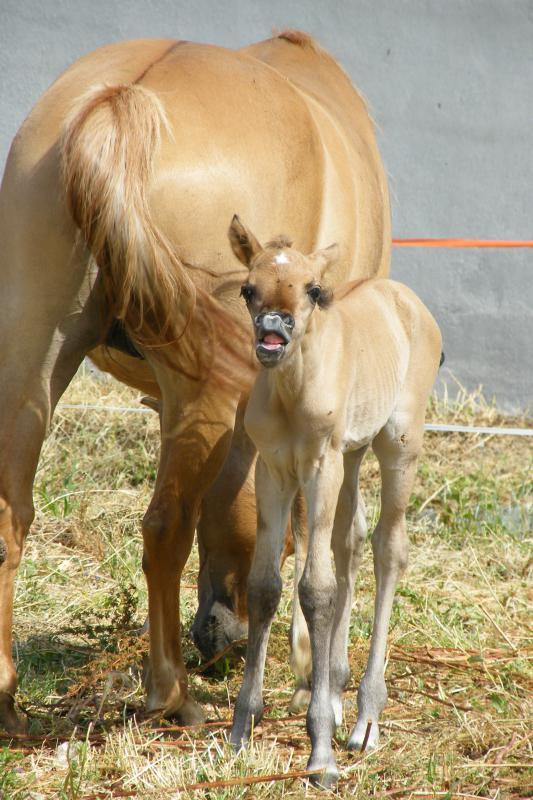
340 372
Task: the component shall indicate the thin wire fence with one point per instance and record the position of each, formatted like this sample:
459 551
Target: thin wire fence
490 431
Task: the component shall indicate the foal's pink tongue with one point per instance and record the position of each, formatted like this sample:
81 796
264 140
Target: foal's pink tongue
272 340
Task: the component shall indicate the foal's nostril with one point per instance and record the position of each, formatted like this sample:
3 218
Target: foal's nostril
288 319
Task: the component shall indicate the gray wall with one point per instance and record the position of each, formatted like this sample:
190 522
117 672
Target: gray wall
450 85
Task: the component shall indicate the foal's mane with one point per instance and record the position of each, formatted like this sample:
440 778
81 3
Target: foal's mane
279 242
300 38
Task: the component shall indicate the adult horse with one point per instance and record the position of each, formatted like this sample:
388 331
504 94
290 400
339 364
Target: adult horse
114 205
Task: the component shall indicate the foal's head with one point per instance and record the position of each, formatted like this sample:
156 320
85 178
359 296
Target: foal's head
282 291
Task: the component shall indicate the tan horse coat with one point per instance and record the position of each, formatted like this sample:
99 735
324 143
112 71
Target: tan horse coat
335 379
150 166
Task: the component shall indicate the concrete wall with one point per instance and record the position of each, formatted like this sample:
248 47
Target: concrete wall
450 85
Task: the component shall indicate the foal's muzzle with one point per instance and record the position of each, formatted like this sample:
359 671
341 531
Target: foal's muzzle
273 331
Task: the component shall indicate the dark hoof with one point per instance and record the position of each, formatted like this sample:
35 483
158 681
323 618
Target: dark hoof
190 713
13 723
243 724
238 743
326 777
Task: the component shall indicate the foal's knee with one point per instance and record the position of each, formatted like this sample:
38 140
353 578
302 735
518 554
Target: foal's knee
390 545
317 599
264 593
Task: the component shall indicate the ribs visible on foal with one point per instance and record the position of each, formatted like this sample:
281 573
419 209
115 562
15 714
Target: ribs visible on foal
339 373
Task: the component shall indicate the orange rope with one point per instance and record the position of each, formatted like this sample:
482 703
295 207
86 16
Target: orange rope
460 243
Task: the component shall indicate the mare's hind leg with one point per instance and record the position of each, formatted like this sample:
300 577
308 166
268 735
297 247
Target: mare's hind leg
226 540
195 437
27 401
16 515
347 543
36 369
48 323
397 447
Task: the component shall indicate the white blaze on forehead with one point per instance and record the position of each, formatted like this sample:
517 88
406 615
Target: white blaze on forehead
281 259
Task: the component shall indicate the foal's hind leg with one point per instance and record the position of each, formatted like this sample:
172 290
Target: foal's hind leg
300 644
349 534
396 447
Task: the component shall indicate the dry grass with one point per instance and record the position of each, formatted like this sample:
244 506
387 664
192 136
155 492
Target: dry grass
458 721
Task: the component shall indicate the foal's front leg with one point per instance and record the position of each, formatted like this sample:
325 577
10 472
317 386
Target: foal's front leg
317 591
300 647
264 592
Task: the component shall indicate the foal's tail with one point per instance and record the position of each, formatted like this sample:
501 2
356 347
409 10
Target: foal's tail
107 151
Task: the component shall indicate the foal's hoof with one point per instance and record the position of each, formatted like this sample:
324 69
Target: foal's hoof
326 776
13 723
300 700
359 735
238 737
336 705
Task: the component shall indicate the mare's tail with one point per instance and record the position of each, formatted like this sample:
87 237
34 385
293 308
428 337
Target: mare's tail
108 148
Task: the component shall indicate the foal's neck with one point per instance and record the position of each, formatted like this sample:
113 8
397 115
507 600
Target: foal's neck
295 374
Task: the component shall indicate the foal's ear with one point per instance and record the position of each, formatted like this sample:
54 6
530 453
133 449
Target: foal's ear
325 258
243 242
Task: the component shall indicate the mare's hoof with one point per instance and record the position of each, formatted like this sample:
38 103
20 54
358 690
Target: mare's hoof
190 713
359 734
326 776
300 700
13 723
144 629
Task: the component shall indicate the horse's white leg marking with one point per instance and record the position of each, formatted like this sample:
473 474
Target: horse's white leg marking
264 592
389 545
349 534
318 590
299 635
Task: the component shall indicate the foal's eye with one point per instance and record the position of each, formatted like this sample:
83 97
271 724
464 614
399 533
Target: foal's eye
248 292
314 293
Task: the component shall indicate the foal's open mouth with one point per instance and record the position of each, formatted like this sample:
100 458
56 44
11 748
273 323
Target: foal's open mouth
272 341
272 337
270 348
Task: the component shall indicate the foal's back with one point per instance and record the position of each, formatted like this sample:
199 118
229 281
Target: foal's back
391 346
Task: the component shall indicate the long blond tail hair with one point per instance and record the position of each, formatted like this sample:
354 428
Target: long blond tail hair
107 153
